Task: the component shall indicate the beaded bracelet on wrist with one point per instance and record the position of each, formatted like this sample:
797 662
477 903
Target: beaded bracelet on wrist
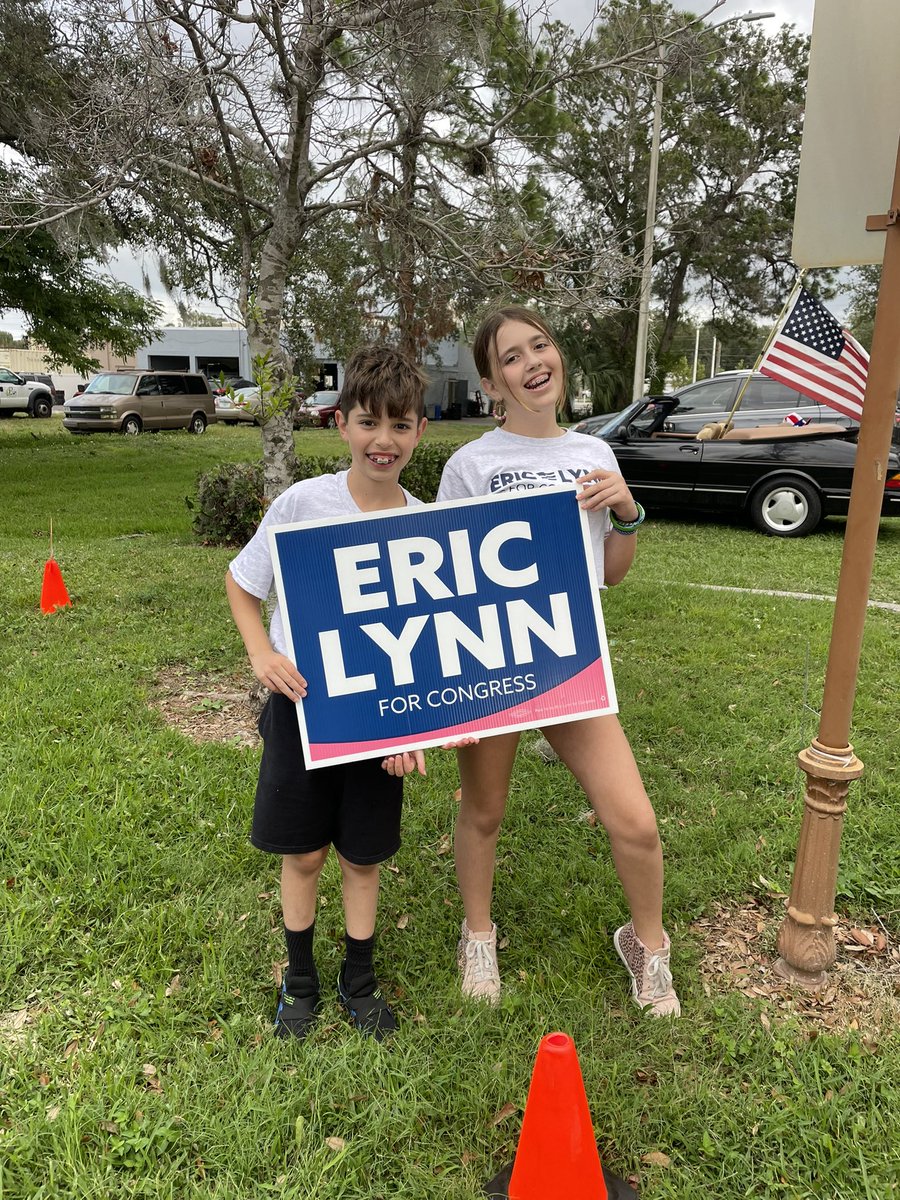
627 527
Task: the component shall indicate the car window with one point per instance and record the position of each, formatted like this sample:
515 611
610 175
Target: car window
196 385
7 376
115 385
713 395
169 385
148 386
766 393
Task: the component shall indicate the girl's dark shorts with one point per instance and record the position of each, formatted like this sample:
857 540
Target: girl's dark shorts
354 807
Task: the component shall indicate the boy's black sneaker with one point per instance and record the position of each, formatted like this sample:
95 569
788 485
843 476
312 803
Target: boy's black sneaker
298 1006
367 1007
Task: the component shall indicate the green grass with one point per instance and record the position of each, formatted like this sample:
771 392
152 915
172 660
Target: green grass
139 928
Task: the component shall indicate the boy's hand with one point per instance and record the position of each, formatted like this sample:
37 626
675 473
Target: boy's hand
278 674
607 489
404 764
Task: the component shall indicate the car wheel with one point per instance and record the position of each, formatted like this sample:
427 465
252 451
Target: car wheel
198 423
786 507
41 407
132 426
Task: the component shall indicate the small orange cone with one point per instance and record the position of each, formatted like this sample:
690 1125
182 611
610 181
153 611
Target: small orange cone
53 590
557 1158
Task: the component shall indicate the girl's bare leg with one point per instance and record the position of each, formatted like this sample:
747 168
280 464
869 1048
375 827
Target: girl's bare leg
484 771
597 753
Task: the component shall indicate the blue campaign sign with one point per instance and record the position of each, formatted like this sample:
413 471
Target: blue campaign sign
416 626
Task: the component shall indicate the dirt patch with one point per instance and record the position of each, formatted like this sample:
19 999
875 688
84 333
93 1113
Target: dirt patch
210 707
863 988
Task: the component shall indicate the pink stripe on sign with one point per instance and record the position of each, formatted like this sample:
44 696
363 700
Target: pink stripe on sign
584 691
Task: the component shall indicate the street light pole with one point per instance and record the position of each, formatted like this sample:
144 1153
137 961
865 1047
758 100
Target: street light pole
643 327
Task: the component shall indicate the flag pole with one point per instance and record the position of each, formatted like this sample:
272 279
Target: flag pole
776 329
806 938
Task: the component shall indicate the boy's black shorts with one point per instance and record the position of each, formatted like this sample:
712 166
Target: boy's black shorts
354 806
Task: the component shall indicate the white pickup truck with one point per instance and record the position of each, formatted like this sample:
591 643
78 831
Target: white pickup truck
20 395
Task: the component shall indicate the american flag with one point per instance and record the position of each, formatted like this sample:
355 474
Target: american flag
812 354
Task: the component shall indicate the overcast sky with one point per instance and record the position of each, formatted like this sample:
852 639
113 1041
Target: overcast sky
578 14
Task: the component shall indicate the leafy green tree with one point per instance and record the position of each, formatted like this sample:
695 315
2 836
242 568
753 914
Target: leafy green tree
68 308
864 292
731 119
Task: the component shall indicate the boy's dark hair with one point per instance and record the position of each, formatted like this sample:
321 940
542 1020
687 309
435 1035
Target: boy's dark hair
380 378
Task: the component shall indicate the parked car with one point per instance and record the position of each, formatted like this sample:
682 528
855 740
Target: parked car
238 406
131 401
27 394
785 478
233 383
59 396
765 402
318 409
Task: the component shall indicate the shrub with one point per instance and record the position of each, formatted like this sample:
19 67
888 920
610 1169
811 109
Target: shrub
230 502
422 474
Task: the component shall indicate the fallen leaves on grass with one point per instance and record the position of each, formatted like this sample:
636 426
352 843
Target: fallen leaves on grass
506 1111
335 1143
863 987
209 707
656 1158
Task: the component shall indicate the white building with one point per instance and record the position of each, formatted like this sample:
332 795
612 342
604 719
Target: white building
219 350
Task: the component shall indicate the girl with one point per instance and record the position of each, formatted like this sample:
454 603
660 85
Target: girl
523 373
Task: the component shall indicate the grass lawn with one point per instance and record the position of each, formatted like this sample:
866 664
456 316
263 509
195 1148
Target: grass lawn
140 932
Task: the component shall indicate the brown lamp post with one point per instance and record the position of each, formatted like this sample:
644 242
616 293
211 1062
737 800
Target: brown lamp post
806 938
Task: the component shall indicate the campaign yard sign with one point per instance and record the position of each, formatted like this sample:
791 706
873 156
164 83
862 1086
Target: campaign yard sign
416 626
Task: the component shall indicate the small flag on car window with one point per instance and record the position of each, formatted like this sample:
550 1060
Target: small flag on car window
794 419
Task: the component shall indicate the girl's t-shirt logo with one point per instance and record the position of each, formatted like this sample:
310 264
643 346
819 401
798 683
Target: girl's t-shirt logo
524 481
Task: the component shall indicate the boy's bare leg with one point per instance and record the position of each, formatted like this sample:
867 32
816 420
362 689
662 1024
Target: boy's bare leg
360 897
484 771
299 884
597 753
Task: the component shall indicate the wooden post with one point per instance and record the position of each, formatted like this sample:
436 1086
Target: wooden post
806 937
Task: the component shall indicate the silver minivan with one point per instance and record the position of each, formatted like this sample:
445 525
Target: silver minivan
132 401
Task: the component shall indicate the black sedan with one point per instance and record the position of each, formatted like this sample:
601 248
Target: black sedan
786 478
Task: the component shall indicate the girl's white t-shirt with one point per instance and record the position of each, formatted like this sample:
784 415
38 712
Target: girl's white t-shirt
500 461
322 498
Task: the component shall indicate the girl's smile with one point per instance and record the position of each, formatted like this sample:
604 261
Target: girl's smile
529 365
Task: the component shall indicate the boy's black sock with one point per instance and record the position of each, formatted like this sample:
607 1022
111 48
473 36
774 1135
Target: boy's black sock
359 959
300 951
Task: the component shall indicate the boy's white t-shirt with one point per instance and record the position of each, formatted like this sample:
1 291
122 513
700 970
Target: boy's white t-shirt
324 497
500 461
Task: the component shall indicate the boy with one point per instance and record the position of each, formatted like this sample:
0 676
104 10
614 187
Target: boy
355 807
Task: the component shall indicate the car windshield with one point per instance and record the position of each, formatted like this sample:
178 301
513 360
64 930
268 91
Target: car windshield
612 420
111 385
322 399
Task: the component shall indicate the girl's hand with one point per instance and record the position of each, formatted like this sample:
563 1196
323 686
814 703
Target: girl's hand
607 489
278 674
414 760
404 764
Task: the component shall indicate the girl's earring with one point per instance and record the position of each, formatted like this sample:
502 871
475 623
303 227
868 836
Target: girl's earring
499 411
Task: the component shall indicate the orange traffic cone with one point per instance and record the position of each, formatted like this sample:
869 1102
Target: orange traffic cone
53 590
557 1158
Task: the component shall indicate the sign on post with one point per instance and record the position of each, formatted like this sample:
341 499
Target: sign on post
849 132
415 627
